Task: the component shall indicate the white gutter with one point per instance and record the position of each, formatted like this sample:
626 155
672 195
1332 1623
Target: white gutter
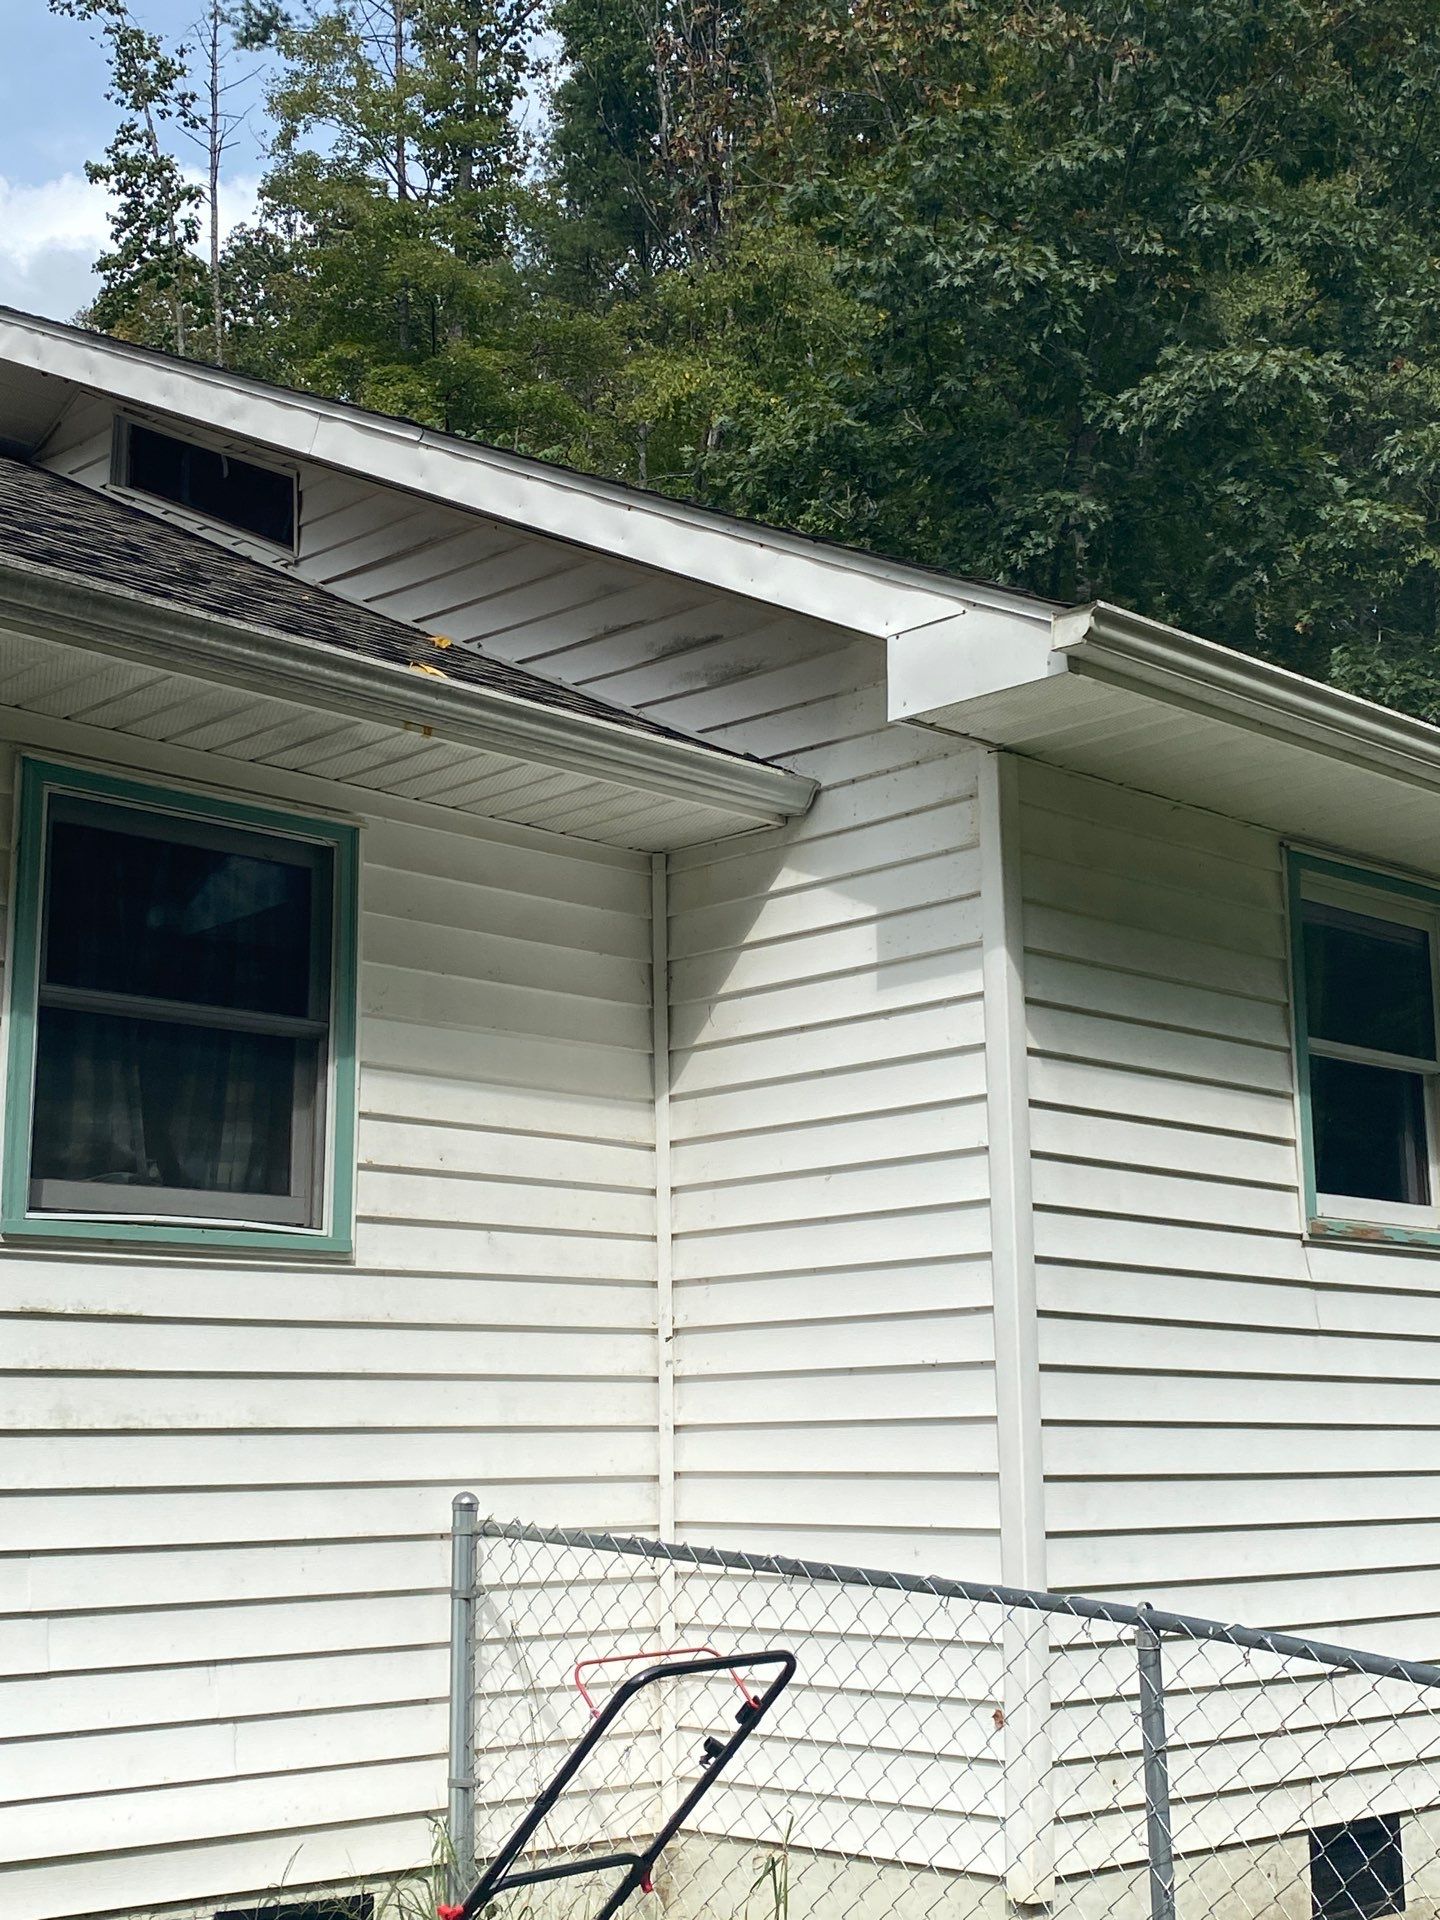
131 626
1105 643
964 675
857 591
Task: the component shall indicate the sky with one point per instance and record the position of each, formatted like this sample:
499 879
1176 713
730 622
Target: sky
53 118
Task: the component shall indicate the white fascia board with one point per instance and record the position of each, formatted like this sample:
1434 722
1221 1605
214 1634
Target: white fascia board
852 590
976 652
132 626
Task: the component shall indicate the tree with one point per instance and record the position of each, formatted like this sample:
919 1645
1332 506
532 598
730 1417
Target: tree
213 123
1134 298
384 238
1152 292
149 269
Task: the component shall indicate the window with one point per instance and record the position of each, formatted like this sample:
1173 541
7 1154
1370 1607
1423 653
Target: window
238 493
1357 1869
182 1018
1366 956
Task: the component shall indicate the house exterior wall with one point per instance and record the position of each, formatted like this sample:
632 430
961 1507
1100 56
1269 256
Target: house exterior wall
228 1480
829 1387
1236 1422
827 1077
833 1354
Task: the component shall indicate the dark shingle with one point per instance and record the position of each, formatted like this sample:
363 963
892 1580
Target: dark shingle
52 522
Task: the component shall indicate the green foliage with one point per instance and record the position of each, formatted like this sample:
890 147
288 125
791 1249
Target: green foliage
149 278
1134 298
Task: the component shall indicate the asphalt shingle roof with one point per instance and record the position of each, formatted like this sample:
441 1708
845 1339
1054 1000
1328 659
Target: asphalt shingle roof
50 521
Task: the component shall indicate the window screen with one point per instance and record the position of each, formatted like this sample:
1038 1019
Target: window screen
236 492
183 1015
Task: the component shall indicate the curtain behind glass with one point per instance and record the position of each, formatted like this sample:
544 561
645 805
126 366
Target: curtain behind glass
145 1103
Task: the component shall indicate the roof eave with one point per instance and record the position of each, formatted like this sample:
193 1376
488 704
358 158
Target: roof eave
958 677
1105 642
132 626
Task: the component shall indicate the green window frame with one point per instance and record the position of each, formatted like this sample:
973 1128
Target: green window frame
1351 896
196 815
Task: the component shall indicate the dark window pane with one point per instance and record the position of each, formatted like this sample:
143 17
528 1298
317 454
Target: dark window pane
215 484
1370 1135
1368 982
173 921
142 1103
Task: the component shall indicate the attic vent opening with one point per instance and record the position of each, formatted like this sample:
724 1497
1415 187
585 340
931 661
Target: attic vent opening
237 493
1357 1871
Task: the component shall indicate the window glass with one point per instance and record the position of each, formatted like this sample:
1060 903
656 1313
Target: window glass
1368 984
173 920
183 1017
146 1103
1370 1131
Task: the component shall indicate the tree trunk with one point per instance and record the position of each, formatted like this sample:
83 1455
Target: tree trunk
465 173
402 158
215 142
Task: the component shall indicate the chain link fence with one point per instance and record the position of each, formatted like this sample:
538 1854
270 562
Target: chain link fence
943 1749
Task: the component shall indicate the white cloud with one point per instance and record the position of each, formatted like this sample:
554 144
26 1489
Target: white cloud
51 232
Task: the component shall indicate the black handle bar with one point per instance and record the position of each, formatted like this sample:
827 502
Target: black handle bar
497 1877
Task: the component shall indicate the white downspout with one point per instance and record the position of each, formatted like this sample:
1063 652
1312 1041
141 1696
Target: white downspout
667 1722
1029 1841
664 1260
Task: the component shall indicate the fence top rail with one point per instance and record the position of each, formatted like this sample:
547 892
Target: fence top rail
935 1586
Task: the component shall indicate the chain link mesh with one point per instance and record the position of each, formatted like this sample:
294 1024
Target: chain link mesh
940 1751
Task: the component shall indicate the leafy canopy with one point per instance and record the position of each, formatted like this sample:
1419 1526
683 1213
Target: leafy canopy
1133 298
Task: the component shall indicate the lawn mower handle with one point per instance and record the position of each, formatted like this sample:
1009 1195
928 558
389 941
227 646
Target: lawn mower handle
497 1878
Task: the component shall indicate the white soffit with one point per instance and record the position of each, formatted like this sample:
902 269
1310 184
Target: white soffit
1105 692
56 692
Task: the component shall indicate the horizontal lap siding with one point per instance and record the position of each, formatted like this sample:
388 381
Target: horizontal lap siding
833 1348
834 1389
222 1556
1234 1422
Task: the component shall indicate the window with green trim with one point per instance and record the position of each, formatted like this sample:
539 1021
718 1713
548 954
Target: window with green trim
182 1044
1366 995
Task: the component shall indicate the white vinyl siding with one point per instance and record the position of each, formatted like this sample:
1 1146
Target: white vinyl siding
228 1481
1235 1421
833 1342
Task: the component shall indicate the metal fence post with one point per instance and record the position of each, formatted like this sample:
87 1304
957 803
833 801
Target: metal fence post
460 1819
1159 1839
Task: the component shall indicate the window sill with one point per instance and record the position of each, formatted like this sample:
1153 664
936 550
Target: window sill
221 1238
1327 1231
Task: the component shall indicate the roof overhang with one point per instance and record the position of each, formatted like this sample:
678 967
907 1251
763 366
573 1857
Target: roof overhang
1108 693
685 791
43 363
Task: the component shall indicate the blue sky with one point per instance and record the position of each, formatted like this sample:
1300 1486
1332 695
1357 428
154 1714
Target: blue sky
53 118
